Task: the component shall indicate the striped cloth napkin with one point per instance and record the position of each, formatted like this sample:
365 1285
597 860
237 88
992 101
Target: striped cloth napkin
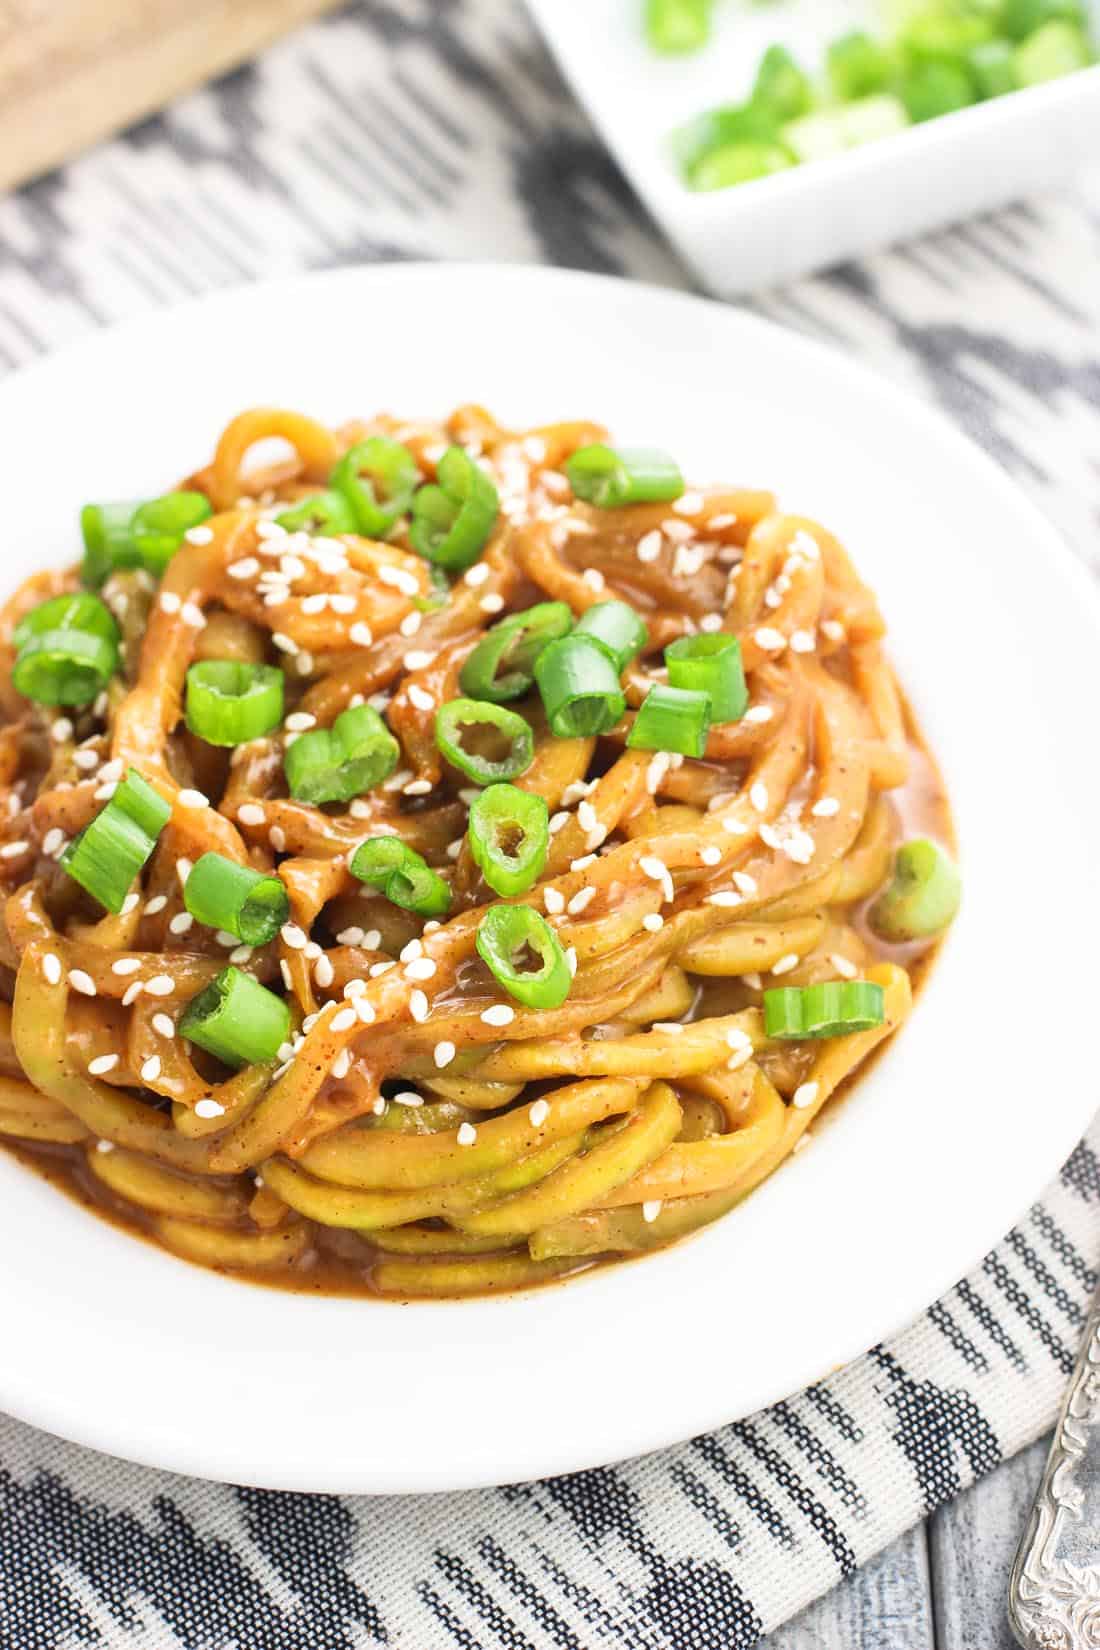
403 128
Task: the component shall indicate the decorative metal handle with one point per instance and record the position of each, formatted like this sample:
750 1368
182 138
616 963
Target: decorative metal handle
1054 1594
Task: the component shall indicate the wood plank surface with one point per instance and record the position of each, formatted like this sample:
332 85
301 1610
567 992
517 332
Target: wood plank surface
72 71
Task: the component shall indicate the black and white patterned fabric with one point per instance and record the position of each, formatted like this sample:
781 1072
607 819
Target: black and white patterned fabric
438 128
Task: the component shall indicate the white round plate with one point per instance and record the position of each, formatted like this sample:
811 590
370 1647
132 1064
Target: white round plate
971 1109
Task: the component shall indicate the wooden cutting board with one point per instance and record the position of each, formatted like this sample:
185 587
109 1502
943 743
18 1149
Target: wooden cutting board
73 71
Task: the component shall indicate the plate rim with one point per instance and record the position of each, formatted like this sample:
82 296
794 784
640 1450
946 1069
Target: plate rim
59 1413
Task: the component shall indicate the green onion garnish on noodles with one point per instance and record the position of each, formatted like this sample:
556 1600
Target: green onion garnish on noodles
710 663
236 899
138 533
399 873
832 1009
620 631
610 476
110 852
66 650
502 664
580 688
230 702
454 517
509 836
484 741
237 1019
342 762
524 955
674 26
326 514
671 719
922 897
377 478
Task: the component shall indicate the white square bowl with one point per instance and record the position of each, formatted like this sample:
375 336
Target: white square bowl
760 233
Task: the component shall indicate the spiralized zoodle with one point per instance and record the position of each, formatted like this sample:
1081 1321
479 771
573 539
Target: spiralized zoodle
564 1016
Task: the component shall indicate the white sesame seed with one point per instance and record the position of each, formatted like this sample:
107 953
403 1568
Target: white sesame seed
443 1054
571 959
111 770
758 796
770 837
466 1135
61 729
104 1146
417 787
126 965
284 970
180 923
421 698
802 641
341 603
299 721
582 863
538 1113
649 546
492 603
711 855
653 921
772 641
689 504
342 1064
150 1069
652 867
12 850
86 760
587 817
164 1025
656 771
209 1108
285 644
786 963
743 881
558 821
421 968
102 1064
651 1208
382 968
161 985
251 813
805 1095
189 798
737 1039
832 629
323 972
169 602
293 936
724 897
364 1011
155 905
418 1006
343 1019
594 579
826 807
246 568
580 901
411 623
477 574
398 579
361 634
758 713
51 967
82 982
499 1014
277 838
193 615
418 659
104 793
710 622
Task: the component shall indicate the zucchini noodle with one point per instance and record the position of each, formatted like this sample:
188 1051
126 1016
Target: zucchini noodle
421 1132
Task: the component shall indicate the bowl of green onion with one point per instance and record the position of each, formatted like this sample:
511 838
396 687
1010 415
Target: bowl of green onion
772 139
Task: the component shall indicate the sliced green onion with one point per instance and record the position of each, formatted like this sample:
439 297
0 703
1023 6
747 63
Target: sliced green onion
157 527
108 542
484 741
857 65
230 702
377 477
993 68
1019 18
870 118
509 836
326 514
739 163
580 688
237 1019
781 87
453 517
671 719
716 128
400 874
110 852
710 663
338 763
674 26
502 664
932 89
620 631
1052 51
832 1009
923 896
66 650
610 476
223 894
524 955
137 799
